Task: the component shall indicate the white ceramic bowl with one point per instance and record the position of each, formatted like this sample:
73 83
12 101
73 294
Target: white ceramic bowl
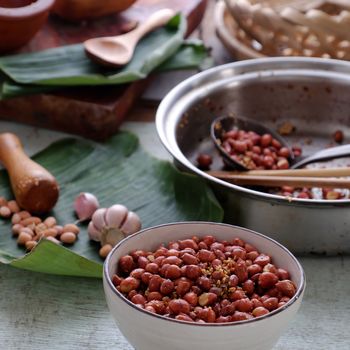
147 331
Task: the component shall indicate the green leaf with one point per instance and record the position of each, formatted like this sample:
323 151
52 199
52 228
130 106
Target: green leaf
118 171
190 55
69 65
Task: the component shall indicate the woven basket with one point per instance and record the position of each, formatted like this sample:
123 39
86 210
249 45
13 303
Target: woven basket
315 28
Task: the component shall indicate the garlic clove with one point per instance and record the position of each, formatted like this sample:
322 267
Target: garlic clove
85 204
112 236
94 234
132 224
98 218
116 215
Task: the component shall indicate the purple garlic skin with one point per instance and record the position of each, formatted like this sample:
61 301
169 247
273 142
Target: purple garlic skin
85 204
111 225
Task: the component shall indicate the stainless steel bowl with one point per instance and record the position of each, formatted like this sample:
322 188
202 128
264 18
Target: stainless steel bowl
313 94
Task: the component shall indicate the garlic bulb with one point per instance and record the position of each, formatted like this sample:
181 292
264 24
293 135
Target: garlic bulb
111 225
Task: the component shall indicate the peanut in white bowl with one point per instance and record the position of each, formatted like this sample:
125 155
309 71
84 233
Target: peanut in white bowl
149 331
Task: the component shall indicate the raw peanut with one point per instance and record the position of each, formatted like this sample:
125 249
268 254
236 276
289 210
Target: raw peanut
24 214
154 296
16 229
137 273
233 281
71 228
287 287
204 283
204 161
132 293
16 219
241 316
183 317
260 311
271 303
68 237
155 283
152 267
188 243
5 212
146 277
50 222
241 271
116 280
40 228
178 306
30 245
128 284
193 271
49 232
191 298
150 309
172 272
13 206
158 305
172 260
189 259
205 255
30 221
126 263
167 287
267 279
27 230
244 305
262 260
237 294
104 251
206 299
23 238
338 136
59 229
138 299
183 285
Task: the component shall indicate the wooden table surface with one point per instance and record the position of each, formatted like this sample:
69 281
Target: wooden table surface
39 311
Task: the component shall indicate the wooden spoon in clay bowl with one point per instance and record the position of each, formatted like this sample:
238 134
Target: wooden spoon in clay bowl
35 189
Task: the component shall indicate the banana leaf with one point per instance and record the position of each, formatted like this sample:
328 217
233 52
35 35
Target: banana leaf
191 55
69 65
118 171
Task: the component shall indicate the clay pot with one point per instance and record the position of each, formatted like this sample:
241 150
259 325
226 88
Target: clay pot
76 10
20 20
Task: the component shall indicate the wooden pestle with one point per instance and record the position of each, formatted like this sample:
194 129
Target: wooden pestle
35 189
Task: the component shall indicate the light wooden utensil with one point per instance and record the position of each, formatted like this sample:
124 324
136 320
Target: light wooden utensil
297 178
118 50
35 189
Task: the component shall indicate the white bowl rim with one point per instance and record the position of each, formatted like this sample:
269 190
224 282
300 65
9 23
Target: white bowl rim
297 295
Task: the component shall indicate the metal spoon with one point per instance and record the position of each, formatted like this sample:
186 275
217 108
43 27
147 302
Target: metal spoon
118 50
325 154
224 124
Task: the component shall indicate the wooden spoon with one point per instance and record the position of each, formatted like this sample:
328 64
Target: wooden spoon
118 50
35 189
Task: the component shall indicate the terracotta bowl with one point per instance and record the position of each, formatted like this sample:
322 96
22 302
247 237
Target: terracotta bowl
20 20
77 10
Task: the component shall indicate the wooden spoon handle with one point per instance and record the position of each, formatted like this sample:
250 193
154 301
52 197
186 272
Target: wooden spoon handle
156 20
310 172
278 181
35 189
